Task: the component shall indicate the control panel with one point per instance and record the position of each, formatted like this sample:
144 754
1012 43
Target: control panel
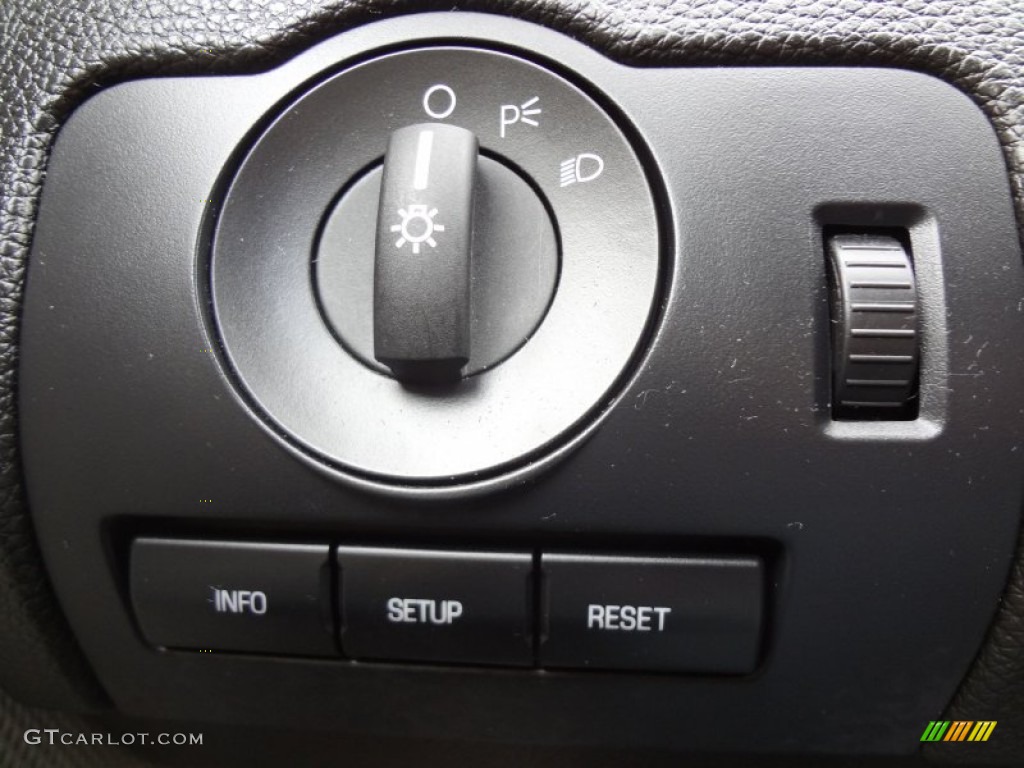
452 362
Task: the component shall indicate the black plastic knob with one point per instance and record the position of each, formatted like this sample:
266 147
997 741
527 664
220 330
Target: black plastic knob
421 311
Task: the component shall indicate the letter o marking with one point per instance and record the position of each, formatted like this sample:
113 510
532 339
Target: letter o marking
443 113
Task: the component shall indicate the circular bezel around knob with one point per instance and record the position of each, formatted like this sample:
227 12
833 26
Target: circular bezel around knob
354 420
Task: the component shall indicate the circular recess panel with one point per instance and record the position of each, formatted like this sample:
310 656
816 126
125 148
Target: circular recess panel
354 417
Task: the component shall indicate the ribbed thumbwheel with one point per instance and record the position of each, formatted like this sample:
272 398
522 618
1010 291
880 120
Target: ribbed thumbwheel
874 328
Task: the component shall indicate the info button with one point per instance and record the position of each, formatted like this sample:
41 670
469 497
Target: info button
233 596
440 606
685 614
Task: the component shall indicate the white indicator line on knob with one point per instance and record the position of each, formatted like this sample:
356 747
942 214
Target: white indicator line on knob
421 174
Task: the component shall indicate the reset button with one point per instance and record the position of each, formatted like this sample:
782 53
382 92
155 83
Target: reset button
693 614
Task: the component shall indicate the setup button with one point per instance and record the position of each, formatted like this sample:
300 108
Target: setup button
438 606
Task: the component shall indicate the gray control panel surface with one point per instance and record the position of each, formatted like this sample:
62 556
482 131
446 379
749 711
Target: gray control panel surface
892 539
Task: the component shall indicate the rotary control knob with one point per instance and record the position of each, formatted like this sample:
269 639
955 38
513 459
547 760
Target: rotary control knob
421 290
457 273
